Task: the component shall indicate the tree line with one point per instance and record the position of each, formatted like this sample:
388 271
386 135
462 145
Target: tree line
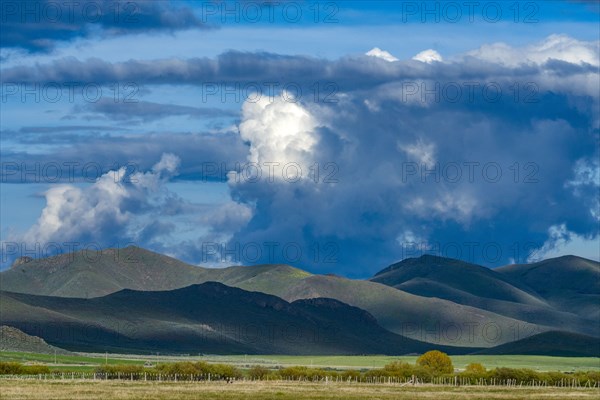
431 367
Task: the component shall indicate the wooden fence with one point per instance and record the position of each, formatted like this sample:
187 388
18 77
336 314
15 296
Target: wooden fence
384 380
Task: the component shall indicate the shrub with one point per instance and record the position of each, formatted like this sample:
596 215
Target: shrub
399 369
592 376
217 371
14 368
224 371
402 370
520 375
181 368
11 368
474 372
436 362
294 373
305 373
475 368
36 369
258 372
424 374
275 375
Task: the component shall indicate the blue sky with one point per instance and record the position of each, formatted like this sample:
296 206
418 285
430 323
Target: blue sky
463 132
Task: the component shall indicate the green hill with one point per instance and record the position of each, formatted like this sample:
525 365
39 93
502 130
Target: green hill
271 279
568 283
482 288
433 299
97 273
87 274
429 275
91 274
422 318
206 318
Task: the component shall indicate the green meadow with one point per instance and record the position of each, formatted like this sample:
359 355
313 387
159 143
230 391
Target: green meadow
85 361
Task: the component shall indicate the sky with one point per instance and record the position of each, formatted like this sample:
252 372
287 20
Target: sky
338 137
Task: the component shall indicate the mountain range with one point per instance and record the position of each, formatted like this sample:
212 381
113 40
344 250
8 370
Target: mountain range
410 306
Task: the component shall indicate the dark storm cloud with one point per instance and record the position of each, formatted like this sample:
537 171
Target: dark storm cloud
379 204
38 25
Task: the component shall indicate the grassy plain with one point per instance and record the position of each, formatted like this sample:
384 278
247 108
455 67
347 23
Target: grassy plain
539 363
86 362
110 390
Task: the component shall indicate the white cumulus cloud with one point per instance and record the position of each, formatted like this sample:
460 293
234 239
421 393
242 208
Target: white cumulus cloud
279 130
378 53
557 47
100 211
428 56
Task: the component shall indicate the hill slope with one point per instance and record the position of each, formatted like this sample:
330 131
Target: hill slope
13 339
87 274
427 274
568 283
422 318
91 274
559 344
203 318
486 289
432 299
97 273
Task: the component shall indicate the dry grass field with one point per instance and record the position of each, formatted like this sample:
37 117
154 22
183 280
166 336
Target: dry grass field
111 390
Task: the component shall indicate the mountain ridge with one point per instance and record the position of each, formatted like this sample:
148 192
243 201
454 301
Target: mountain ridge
204 318
412 308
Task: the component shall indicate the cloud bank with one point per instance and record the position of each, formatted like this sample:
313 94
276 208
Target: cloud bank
40 25
475 156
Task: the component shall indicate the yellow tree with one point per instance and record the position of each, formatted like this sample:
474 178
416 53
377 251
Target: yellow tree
475 368
437 362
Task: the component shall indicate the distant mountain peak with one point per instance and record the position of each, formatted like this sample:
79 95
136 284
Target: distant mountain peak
423 260
572 258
